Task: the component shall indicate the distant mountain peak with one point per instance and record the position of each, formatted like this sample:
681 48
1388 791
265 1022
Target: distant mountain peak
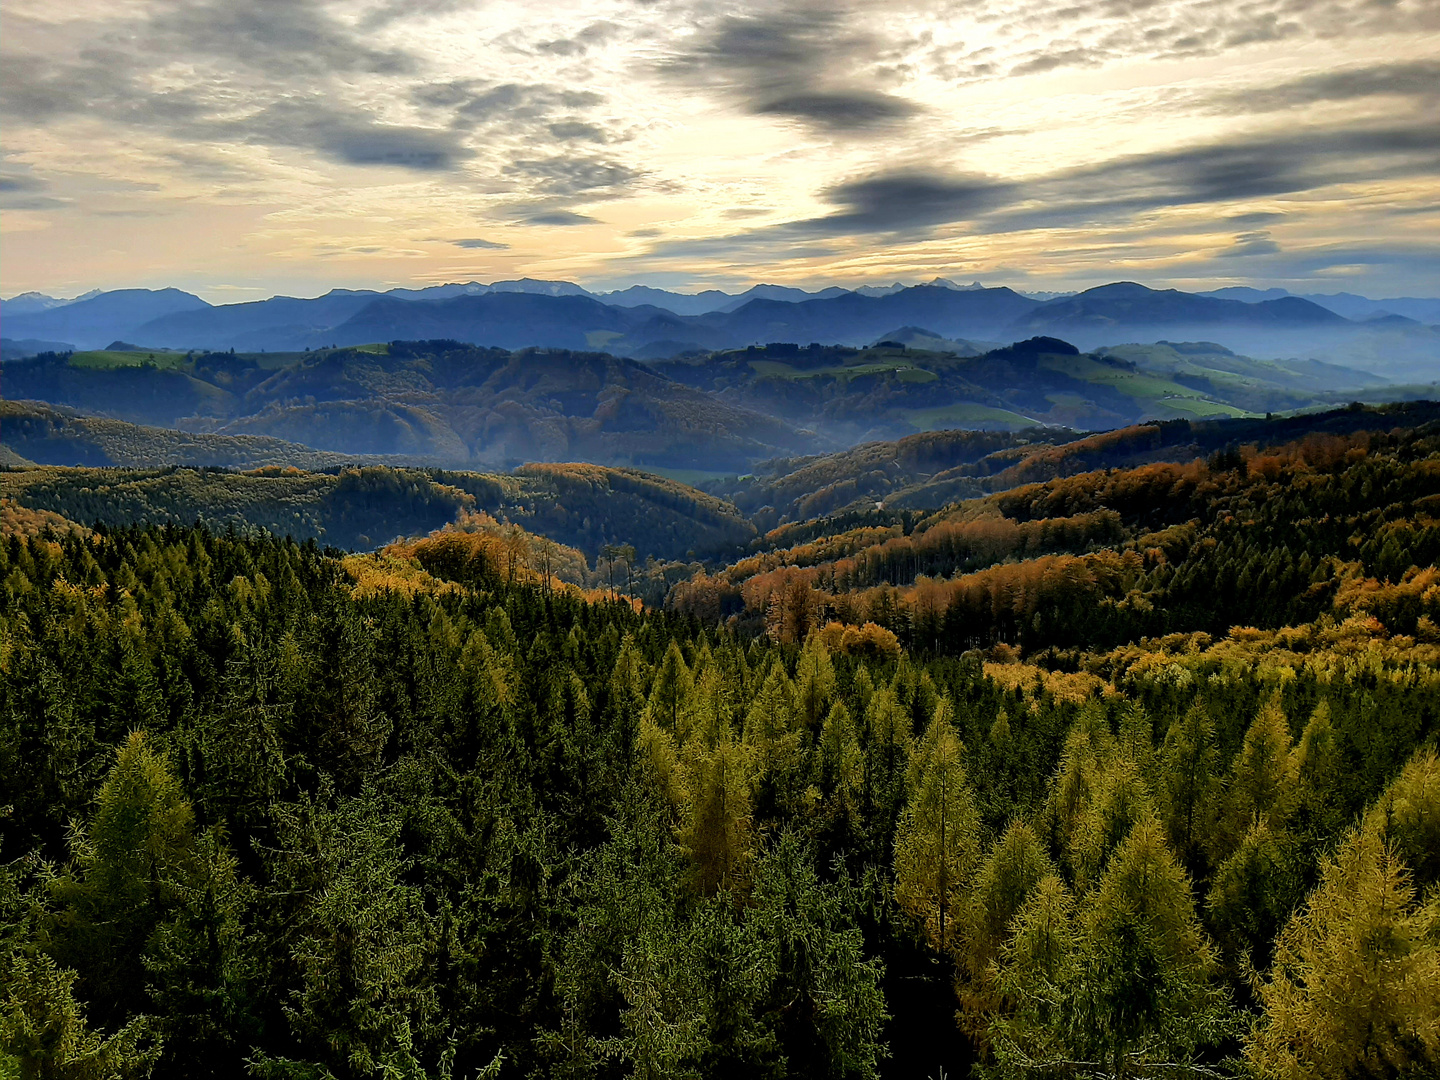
544 288
1118 290
947 283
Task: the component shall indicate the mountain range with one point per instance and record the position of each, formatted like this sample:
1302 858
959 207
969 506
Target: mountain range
646 323
1352 306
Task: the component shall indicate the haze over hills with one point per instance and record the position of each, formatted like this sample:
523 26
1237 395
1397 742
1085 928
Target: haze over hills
88 469
1350 305
94 320
35 434
448 403
442 402
1391 338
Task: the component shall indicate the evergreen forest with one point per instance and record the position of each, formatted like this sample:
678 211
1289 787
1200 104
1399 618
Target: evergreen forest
1127 773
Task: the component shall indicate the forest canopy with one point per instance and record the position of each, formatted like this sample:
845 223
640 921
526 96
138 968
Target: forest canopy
1125 774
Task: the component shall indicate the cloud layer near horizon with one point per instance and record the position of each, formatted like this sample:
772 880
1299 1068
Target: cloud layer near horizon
227 147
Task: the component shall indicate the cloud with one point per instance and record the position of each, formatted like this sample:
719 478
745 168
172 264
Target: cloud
1251 243
565 176
278 37
472 103
410 11
555 217
1418 79
804 64
912 199
1034 37
1050 61
348 136
290 102
553 113
840 110
567 130
736 247
22 190
597 33
1260 166
1255 217
913 203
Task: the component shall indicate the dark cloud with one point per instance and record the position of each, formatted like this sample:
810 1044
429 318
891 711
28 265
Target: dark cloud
410 11
914 202
20 189
1078 57
477 243
542 216
1416 79
566 176
644 234
289 74
1254 167
348 136
288 98
102 83
278 37
577 130
804 64
1252 243
1257 217
597 33
838 109
471 103
909 200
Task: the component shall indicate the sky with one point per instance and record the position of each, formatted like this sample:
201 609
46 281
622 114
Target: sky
242 149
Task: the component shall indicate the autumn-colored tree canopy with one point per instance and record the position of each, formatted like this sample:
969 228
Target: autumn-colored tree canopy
1122 774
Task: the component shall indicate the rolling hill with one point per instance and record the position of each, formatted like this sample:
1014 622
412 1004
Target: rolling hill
44 435
580 506
707 414
440 401
928 471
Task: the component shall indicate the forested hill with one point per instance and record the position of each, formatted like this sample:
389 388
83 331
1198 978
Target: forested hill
1121 769
1332 525
581 506
929 470
274 813
443 403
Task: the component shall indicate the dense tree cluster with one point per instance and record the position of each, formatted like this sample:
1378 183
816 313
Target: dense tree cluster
1329 525
274 812
581 506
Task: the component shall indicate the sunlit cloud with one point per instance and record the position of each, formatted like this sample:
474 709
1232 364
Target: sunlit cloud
612 142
